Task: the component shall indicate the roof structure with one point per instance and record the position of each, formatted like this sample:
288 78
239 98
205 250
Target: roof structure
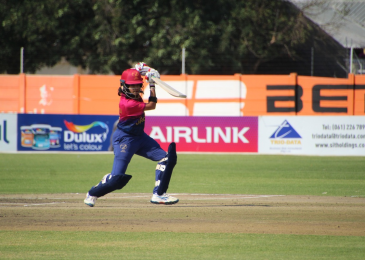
343 20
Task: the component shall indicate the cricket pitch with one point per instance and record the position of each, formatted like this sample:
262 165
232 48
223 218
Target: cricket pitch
203 213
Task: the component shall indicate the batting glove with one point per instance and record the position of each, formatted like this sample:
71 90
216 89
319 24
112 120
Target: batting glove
152 73
142 68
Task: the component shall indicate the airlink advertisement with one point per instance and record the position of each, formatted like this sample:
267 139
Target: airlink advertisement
64 132
312 135
205 134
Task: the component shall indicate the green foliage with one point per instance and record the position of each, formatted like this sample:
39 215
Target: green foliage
48 30
223 174
112 35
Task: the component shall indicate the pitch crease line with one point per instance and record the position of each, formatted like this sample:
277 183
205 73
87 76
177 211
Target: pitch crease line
41 204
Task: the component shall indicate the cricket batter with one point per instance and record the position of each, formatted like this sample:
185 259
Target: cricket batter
130 138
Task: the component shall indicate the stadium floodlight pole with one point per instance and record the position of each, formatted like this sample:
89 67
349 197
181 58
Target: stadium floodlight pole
312 61
183 61
351 57
21 59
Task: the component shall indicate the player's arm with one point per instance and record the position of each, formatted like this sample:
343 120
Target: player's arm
151 105
152 99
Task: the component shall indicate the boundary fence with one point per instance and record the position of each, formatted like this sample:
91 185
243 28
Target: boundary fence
218 95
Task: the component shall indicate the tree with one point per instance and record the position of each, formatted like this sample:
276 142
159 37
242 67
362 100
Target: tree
235 36
222 37
268 29
48 30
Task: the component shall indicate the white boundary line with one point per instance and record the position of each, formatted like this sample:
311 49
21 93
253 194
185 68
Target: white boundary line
209 196
31 204
41 204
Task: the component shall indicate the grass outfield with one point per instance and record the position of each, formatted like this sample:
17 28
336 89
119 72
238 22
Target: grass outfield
217 174
178 246
211 174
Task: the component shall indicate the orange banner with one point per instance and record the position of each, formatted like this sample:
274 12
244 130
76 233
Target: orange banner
359 97
9 94
269 95
49 94
98 95
213 95
325 96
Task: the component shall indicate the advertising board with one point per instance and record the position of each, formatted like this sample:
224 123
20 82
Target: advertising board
8 136
87 133
205 134
312 135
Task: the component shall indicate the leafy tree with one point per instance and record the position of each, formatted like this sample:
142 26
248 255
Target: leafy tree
234 36
155 32
220 37
269 29
48 30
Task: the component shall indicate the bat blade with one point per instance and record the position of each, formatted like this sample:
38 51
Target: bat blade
168 88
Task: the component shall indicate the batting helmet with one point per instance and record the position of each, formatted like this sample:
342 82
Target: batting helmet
130 77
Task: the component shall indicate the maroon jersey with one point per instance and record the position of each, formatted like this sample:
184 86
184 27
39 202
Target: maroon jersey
131 115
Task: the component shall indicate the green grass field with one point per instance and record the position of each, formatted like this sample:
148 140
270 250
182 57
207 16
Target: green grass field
212 174
139 245
221 174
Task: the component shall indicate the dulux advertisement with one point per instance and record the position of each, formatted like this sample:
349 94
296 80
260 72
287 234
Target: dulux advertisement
64 132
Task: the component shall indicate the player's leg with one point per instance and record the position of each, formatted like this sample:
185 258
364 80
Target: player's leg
164 170
117 179
163 176
165 166
108 184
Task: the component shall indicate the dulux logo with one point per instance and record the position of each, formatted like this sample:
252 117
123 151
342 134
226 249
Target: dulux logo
78 133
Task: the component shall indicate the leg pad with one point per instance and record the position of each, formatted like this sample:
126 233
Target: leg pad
166 171
109 183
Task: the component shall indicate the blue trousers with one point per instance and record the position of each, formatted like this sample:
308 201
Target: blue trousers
126 145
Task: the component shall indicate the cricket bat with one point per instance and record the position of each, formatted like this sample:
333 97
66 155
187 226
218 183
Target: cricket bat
168 88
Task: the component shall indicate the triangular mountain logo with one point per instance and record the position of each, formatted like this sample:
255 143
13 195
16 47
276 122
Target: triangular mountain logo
285 131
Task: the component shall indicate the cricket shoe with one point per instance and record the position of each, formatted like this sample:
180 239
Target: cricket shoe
164 199
90 200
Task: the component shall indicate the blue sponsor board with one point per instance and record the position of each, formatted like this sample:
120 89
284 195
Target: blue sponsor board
79 133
